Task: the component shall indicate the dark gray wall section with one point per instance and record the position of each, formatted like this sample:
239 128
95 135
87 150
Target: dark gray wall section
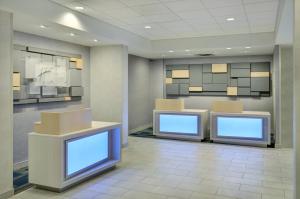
207 68
169 74
240 72
184 89
214 87
220 78
75 77
172 89
196 75
178 67
260 84
207 78
260 67
243 82
181 81
244 91
240 65
233 82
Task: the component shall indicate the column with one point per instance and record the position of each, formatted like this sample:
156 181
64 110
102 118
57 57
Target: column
109 85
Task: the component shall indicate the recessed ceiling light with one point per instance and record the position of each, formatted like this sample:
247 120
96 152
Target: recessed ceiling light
230 19
72 34
228 48
147 27
95 40
43 26
187 50
171 51
248 47
79 8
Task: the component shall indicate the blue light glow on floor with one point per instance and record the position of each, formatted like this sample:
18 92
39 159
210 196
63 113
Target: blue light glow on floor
86 151
183 124
240 127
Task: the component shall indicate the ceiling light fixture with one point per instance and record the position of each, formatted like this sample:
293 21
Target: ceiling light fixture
187 50
95 40
228 48
248 47
230 19
171 51
79 8
72 34
147 27
43 26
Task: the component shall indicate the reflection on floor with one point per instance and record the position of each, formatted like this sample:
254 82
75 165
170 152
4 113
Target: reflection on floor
148 133
21 179
168 169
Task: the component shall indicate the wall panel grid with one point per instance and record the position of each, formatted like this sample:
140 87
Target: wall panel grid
227 79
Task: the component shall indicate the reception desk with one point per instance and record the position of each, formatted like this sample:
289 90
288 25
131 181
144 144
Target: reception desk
56 162
186 124
247 127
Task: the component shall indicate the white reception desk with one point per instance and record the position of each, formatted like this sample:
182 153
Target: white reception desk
56 162
247 127
186 124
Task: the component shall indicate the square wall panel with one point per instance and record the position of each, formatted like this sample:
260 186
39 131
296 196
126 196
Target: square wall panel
183 89
240 72
261 84
219 68
172 89
207 68
243 82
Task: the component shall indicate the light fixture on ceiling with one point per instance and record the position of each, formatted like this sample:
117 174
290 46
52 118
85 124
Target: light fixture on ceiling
230 19
248 47
147 27
95 40
171 51
187 50
228 48
72 34
43 26
79 8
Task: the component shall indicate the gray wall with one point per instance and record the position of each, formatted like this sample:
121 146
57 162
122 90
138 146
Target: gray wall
26 115
204 102
109 85
6 121
286 96
139 107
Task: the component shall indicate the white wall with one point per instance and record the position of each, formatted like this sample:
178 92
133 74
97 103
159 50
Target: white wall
109 85
26 115
6 124
139 107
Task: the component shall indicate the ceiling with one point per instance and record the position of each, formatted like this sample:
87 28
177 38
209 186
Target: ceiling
182 18
180 28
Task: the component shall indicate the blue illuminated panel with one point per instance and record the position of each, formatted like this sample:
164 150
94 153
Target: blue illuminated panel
180 124
85 152
240 127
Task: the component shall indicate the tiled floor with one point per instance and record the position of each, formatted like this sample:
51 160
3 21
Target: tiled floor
165 169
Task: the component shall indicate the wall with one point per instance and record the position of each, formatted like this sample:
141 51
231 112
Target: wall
6 121
139 107
286 96
204 102
26 115
109 85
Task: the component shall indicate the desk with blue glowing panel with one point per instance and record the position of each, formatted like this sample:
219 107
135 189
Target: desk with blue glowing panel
56 162
186 124
247 127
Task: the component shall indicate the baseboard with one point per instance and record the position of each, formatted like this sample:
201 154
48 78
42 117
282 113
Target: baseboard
7 194
20 165
140 128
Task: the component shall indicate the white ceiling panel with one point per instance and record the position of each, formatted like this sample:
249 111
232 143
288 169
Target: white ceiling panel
188 18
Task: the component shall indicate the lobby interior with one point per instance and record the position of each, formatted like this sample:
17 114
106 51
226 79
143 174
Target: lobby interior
150 99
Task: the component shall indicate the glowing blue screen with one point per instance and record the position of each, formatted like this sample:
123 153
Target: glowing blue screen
86 151
183 124
240 127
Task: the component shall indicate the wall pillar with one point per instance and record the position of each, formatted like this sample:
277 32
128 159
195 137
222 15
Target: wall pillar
109 85
6 105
